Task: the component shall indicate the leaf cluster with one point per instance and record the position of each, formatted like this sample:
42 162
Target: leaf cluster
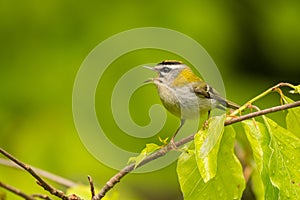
210 168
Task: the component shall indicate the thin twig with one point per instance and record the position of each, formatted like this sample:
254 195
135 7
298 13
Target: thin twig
40 181
16 191
237 111
50 176
42 196
91 186
262 112
117 177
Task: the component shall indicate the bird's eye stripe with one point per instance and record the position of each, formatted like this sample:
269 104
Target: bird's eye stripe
165 69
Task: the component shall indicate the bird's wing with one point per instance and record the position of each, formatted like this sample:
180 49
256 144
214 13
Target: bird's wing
206 91
202 89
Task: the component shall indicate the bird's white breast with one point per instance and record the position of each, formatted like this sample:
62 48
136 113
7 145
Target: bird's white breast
183 102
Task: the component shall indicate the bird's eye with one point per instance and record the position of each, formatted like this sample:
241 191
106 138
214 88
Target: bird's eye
165 69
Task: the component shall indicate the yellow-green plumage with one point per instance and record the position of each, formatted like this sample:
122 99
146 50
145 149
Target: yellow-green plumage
186 76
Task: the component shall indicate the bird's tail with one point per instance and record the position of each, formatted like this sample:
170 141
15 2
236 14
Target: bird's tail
226 103
230 104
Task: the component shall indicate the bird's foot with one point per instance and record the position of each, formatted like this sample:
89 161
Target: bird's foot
173 145
205 125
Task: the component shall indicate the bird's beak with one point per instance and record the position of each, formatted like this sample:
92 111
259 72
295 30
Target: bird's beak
151 68
149 79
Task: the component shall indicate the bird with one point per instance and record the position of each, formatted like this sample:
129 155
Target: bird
184 94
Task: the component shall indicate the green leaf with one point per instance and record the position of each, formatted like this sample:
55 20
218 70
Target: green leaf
293 118
259 140
284 161
256 139
257 185
150 148
228 182
163 141
207 144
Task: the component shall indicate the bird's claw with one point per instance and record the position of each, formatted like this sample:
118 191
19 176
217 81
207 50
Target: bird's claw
173 145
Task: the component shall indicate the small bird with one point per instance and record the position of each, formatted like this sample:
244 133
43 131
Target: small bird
184 94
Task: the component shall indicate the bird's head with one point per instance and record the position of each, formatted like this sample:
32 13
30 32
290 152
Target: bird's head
172 72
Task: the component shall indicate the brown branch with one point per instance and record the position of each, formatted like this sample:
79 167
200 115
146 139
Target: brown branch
262 112
91 186
42 196
40 181
48 175
117 177
16 191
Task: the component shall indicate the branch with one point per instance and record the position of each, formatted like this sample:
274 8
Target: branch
91 186
50 176
262 112
41 196
16 191
40 181
117 177
272 89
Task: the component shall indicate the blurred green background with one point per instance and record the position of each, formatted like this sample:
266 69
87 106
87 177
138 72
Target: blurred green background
43 43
